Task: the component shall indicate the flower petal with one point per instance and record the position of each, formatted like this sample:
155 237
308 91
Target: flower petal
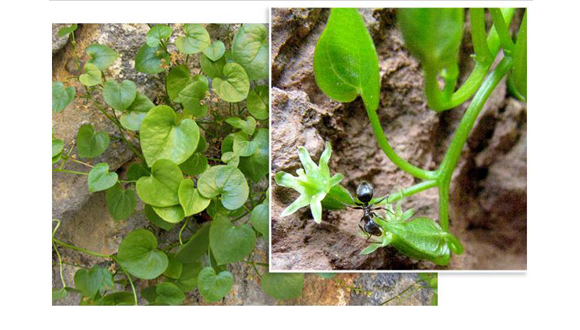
316 207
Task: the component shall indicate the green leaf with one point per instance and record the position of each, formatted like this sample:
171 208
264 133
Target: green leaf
149 293
283 286
196 39
58 294
92 75
90 143
231 158
133 117
230 243
258 102
194 165
196 247
137 170
171 214
90 282
138 253
101 56
260 219
157 33
148 59
169 293
100 178
119 96
256 166
336 198
213 69
63 31
345 60
520 70
191 200
433 35
161 187
191 96
250 49
188 279
227 182
371 248
235 85
423 238
214 287
121 202
164 137
155 219
243 147
215 51
61 96
248 125
57 146
174 268
118 298
177 79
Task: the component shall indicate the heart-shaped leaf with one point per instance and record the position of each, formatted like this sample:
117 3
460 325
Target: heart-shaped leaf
169 293
61 96
248 125
177 79
120 202
101 56
161 187
196 39
258 102
119 96
148 59
118 299
283 286
57 146
138 253
63 31
188 279
235 85
215 51
250 49
92 75
243 146
90 143
133 117
164 137
256 166
190 98
191 200
260 219
58 294
230 243
91 281
227 181
196 247
171 214
211 68
100 178
174 268
345 60
155 219
137 170
214 287
157 33
194 165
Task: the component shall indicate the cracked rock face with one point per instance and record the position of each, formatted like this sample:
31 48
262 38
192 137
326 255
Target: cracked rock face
488 191
86 221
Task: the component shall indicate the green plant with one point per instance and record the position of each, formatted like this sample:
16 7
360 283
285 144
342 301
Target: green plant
346 66
202 148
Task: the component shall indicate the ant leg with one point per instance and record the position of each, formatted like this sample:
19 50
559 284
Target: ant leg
382 199
351 207
382 208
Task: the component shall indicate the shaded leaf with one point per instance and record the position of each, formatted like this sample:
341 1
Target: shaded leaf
138 253
101 56
61 96
120 202
230 243
100 178
214 287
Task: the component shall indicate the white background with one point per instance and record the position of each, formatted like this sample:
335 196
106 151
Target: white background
546 296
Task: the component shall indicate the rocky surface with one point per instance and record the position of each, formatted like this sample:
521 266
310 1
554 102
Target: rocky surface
85 219
488 192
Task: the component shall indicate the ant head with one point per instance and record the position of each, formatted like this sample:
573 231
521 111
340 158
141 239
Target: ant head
364 192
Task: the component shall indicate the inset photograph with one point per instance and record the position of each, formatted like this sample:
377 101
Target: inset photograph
398 139
160 174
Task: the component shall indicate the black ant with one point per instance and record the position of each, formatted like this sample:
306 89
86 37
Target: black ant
364 193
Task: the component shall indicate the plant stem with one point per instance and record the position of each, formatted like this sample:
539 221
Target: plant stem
388 150
77 161
76 248
452 156
412 190
59 264
130 281
68 171
502 30
479 36
182 229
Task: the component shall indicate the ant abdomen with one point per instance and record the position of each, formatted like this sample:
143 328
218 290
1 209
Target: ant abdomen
364 192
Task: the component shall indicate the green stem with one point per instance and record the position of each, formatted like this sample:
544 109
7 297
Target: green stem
182 229
59 264
130 281
76 248
388 150
479 36
502 30
68 171
452 156
412 190
77 161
